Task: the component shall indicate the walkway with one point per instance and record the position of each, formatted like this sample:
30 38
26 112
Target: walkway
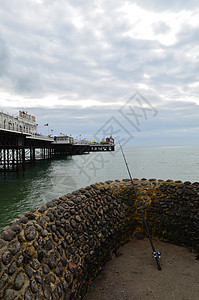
133 275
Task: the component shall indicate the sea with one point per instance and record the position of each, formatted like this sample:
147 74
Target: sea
49 180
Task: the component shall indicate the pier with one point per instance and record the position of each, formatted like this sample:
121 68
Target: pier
78 149
17 149
21 144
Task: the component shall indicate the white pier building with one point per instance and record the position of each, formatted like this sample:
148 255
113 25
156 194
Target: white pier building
24 123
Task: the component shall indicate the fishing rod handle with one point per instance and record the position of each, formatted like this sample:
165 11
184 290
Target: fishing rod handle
158 263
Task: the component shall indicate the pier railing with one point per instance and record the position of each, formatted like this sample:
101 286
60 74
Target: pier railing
16 128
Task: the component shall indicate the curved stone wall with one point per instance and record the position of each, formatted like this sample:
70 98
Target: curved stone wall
54 251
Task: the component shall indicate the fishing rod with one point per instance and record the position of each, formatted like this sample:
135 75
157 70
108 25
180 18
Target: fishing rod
157 254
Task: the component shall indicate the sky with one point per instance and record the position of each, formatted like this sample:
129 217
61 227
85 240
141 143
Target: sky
96 68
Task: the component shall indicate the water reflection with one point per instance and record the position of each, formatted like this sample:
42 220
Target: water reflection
40 184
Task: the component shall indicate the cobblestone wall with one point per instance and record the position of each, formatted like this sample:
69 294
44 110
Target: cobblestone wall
54 251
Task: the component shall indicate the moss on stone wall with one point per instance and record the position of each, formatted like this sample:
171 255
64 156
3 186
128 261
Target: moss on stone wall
54 251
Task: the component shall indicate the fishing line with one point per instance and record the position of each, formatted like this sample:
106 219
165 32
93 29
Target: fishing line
157 254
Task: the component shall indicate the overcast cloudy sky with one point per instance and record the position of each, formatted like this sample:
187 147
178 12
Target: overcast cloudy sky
88 65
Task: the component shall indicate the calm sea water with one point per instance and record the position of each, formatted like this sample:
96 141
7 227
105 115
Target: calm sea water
49 180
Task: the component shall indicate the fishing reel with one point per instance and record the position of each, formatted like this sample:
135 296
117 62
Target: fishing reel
156 254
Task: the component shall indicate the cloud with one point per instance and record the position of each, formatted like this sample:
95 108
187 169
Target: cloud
161 28
88 56
177 5
4 57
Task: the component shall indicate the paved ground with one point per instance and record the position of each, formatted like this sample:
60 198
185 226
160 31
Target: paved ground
134 275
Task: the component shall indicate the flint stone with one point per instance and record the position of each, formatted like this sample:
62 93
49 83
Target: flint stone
35 264
38 227
71 250
19 281
28 295
33 286
88 188
19 260
70 203
80 229
66 215
157 194
58 213
55 238
87 195
91 241
21 238
59 270
77 200
23 220
51 216
8 235
63 261
14 248
53 228
50 278
68 239
6 257
2 243
30 233
89 210
42 253
68 276
3 280
46 290
76 258
51 262
187 182
45 220
10 294
58 223
50 204
38 278
55 295
60 249
42 209
77 243
68 195
59 291
73 223
64 245
68 295
61 231
15 227
75 193
72 211
45 268
64 284
72 267
44 233
77 218
30 216
48 246
29 271
12 268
